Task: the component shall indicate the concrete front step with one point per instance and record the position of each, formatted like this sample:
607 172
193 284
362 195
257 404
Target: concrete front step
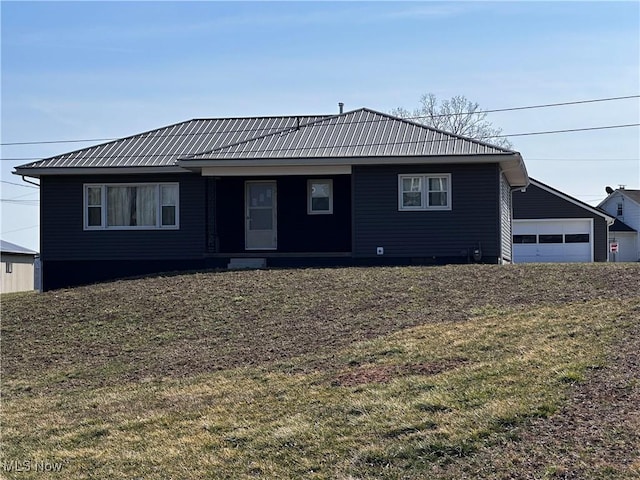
246 263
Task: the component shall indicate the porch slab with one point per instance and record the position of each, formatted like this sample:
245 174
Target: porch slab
246 263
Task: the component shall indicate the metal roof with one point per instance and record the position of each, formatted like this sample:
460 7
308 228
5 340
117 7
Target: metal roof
163 146
360 136
360 133
8 247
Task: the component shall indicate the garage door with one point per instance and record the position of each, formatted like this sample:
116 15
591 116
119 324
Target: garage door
562 240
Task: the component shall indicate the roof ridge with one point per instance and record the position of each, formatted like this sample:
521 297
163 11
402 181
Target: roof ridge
624 192
254 117
344 114
444 132
260 137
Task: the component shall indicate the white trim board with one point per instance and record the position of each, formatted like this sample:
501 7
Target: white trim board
275 170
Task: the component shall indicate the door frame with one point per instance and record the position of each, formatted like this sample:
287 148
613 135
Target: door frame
274 209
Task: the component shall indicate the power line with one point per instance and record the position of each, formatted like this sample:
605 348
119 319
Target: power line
528 159
545 105
25 195
20 159
58 141
19 229
375 144
320 118
31 203
18 184
567 130
378 144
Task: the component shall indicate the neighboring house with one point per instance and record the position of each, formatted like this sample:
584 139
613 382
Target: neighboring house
624 205
551 226
17 268
360 187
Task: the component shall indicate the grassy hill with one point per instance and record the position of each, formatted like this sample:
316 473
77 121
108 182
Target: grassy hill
414 372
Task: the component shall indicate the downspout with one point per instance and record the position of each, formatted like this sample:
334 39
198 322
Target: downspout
610 221
29 181
511 190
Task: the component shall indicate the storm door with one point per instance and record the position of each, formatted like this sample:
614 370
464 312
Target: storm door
260 226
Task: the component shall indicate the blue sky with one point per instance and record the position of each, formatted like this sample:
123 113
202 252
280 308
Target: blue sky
83 70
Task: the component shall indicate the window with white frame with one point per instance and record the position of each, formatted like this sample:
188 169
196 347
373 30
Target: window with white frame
424 192
319 197
131 206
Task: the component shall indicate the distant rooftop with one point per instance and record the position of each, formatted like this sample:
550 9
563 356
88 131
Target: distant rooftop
620 226
633 194
8 247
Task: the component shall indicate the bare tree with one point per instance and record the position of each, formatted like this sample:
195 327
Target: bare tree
457 115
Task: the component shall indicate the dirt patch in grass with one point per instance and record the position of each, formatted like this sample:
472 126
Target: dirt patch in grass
448 372
181 325
385 373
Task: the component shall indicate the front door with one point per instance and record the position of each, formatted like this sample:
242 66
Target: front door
260 225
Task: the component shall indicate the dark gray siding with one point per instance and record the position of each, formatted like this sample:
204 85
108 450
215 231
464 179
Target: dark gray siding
505 219
473 220
298 232
63 237
538 204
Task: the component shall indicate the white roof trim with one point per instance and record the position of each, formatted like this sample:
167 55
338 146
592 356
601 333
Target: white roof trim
511 164
232 171
37 172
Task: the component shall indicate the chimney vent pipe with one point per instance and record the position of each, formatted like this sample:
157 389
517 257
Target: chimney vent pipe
341 107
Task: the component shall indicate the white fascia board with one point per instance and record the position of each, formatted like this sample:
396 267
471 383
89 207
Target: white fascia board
264 170
511 164
409 160
38 172
569 199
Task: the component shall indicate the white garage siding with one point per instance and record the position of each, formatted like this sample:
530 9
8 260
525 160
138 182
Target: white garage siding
553 240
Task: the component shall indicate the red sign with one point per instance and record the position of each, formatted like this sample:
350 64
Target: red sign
613 247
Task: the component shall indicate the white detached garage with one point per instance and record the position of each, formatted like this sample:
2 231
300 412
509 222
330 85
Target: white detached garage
551 226
553 240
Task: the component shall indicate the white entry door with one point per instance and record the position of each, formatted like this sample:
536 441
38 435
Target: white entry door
260 225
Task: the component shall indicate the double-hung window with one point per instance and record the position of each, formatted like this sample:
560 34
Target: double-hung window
131 206
319 197
424 192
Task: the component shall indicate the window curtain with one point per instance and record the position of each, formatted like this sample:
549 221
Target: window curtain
146 206
411 192
132 206
438 191
119 203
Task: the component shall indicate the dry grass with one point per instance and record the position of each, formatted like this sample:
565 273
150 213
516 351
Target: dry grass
448 372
